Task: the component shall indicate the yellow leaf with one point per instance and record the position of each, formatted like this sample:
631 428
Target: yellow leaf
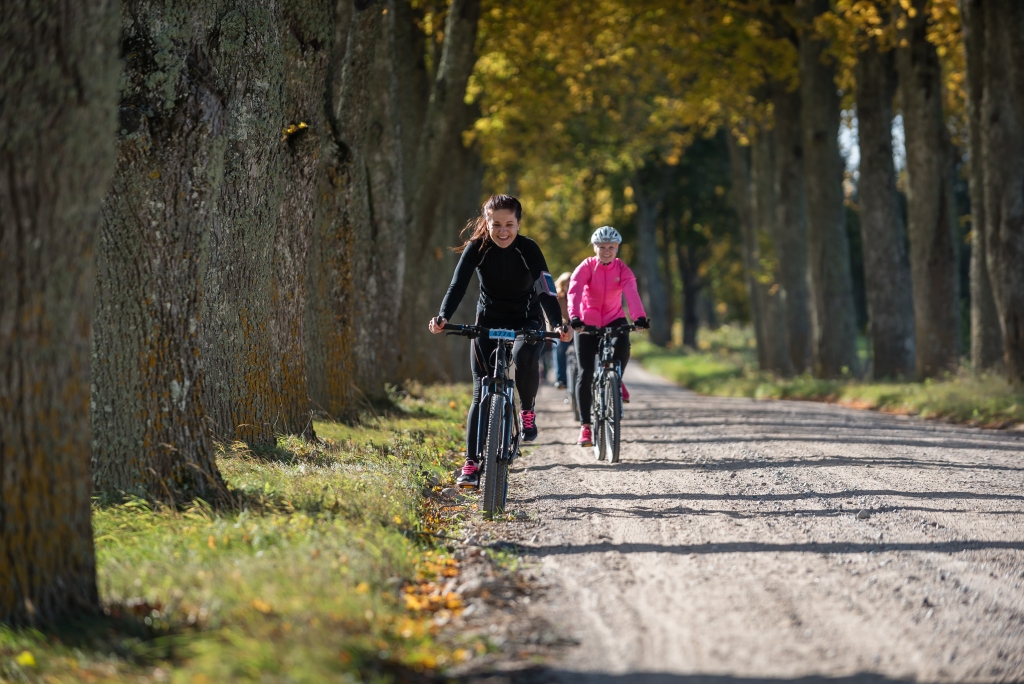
261 605
25 659
398 520
362 588
154 174
451 404
211 542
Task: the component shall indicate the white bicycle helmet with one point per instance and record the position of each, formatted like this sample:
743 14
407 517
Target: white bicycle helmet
605 234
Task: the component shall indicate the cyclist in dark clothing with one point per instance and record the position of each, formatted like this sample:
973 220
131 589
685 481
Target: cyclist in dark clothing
509 268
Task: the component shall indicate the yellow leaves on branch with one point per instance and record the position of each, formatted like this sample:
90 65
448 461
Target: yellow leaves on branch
262 606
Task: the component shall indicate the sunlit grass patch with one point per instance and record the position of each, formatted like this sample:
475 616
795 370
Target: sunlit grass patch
306 581
725 366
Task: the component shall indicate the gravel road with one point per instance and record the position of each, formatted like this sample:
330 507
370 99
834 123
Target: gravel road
730 546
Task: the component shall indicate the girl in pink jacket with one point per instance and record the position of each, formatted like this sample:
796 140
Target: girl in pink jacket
595 298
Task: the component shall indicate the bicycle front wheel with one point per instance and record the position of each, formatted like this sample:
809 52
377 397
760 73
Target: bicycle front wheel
495 467
613 415
599 417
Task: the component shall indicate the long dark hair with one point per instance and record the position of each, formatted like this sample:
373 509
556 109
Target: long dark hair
477 227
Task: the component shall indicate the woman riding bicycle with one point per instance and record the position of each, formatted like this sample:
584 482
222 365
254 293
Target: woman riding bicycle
509 268
595 299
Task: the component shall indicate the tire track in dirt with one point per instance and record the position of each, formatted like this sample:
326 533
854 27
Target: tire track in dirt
726 546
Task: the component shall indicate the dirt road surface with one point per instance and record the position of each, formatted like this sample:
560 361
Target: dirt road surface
727 547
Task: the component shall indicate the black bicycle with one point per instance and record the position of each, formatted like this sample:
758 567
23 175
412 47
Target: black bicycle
499 404
606 391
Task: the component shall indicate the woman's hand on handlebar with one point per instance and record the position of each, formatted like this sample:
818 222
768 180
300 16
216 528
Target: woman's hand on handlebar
436 325
565 333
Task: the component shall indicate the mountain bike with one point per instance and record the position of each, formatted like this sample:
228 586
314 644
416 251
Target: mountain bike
499 408
606 391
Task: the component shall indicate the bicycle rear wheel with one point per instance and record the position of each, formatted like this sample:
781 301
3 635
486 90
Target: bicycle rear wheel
495 468
613 415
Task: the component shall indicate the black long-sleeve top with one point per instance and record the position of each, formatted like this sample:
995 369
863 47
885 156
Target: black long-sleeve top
508 282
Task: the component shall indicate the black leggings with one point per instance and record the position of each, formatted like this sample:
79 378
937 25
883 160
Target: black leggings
587 349
526 356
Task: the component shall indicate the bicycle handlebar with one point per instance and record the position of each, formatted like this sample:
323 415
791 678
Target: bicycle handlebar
607 329
471 331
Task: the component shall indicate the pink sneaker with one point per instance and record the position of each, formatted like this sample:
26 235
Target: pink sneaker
625 393
586 439
529 419
470 477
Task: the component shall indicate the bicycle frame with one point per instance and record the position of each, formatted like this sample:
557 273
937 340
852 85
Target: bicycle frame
501 383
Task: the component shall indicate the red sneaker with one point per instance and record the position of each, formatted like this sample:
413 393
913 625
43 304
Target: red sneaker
586 439
625 393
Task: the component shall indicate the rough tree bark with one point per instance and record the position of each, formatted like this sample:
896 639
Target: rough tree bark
237 351
791 224
986 337
151 435
307 39
833 318
430 160
368 126
57 120
1003 156
649 189
931 211
886 264
765 205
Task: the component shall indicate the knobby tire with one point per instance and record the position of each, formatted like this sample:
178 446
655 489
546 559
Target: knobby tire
597 415
613 415
495 471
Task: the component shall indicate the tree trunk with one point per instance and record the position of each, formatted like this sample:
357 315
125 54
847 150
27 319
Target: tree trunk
762 166
791 225
886 265
237 351
666 250
368 125
739 169
689 262
60 67
1003 156
149 424
432 160
649 196
307 39
986 337
931 213
833 318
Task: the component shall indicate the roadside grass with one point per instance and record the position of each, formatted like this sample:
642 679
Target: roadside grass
313 577
725 364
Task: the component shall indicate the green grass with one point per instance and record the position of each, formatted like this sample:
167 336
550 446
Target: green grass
725 365
308 581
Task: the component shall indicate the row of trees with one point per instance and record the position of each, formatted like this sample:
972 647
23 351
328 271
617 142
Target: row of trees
217 217
631 85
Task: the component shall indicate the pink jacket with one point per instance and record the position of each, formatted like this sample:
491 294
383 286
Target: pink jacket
595 292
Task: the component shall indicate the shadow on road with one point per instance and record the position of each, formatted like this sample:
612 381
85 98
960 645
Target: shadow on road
764 547
766 498
543 675
750 464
